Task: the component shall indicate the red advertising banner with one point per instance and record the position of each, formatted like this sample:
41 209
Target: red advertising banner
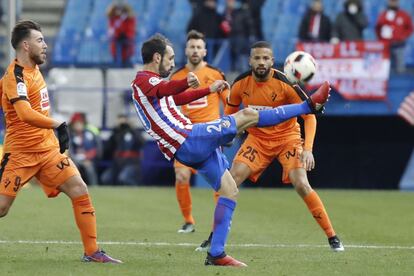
358 70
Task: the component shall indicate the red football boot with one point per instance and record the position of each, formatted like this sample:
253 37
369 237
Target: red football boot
223 260
319 97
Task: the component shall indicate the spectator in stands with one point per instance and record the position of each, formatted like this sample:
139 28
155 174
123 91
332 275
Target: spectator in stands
122 25
350 23
124 148
195 4
241 33
255 7
84 147
208 21
315 25
394 26
1 12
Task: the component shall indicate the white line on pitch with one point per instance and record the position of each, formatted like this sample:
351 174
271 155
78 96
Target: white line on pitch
134 243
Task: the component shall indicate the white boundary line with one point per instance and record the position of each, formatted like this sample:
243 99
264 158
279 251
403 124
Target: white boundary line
168 244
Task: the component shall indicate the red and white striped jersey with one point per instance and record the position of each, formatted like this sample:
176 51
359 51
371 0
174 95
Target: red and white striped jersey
155 106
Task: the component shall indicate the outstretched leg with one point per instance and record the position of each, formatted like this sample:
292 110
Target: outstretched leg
249 117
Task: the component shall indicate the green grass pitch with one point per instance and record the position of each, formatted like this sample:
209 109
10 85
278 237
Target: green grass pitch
272 232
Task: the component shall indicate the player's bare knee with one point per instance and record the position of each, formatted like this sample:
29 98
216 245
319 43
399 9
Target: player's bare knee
231 193
234 193
302 187
74 187
250 114
4 210
181 177
246 118
237 178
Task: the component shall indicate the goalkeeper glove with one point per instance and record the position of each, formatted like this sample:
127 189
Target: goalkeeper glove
63 137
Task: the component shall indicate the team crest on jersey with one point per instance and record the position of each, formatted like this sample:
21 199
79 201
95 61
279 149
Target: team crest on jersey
225 123
21 89
154 81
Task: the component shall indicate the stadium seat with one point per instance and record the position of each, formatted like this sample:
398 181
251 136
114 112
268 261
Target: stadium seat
118 81
77 90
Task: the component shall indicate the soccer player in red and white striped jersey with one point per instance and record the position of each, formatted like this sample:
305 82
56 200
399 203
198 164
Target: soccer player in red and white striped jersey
197 145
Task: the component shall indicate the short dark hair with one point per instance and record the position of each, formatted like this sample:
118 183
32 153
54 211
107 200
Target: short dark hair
155 44
22 31
193 34
261 44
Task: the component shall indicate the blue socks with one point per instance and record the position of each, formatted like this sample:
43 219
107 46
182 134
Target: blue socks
222 221
274 116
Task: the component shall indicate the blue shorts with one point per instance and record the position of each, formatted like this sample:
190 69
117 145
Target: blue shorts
201 149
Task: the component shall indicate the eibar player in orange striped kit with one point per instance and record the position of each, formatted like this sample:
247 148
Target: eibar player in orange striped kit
264 88
203 110
31 148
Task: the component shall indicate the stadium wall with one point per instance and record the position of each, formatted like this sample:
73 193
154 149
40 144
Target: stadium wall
362 152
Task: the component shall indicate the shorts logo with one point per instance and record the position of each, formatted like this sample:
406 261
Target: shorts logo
225 123
154 81
290 154
21 89
64 163
6 182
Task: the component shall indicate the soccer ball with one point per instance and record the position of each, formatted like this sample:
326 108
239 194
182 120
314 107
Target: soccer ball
299 67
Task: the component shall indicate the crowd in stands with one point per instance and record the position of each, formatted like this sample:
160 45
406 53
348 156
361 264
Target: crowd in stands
239 23
108 38
122 30
115 161
394 26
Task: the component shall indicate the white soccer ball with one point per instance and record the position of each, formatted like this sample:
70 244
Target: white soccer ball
299 67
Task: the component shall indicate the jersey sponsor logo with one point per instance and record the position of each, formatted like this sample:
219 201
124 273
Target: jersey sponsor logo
259 107
199 103
44 99
154 81
21 89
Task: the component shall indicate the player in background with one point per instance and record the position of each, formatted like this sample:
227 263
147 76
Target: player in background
202 110
264 88
197 145
31 148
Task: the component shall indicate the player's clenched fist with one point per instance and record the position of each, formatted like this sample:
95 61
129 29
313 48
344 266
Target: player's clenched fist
219 86
192 80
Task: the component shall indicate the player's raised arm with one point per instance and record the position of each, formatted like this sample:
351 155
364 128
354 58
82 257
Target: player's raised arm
189 96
